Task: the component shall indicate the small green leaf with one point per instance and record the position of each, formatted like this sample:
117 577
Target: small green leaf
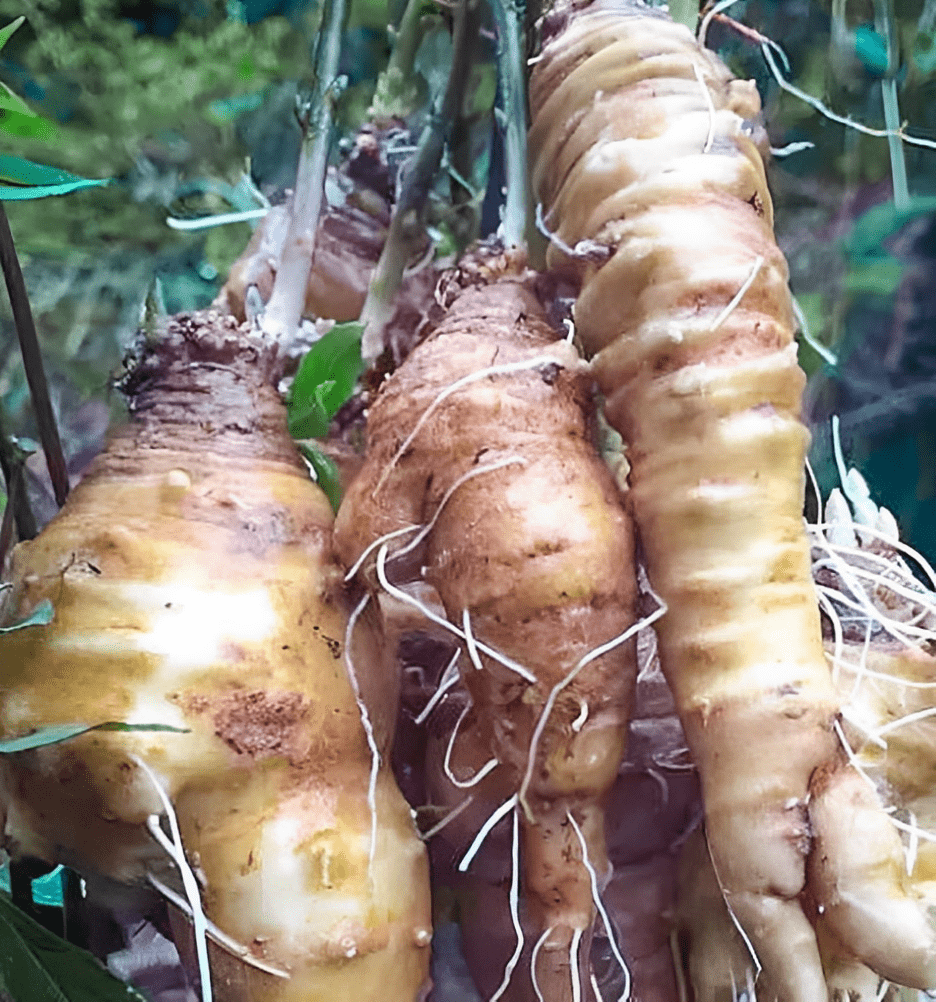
119 725
47 890
325 380
63 732
881 221
29 126
871 49
326 473
40 616
31 180
10 101
880 277
9 29
45 191
36 965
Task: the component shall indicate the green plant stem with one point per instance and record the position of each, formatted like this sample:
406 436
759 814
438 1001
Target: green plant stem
406 41
283 311
418 175
466 190
18 511
32 362
511 66
397 93
884 22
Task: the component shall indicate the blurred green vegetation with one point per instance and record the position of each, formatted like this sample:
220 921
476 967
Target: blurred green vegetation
862 267
177 102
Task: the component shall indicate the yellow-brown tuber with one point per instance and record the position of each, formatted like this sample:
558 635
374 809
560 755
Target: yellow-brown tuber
646 167
194 585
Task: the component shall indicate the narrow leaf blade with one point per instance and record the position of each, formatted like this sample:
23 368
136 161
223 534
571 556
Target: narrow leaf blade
9 29
11 101
40 616
9 194
63 732
326 473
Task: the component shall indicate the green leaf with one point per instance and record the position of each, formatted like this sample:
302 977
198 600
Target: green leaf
881 221
45 191
325 380
47 890
40 616
326 473
63 732
880 277
37 966
10 101
31 180
871 49
29 126
9 29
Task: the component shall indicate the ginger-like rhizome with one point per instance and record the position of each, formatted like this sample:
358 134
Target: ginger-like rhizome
646 168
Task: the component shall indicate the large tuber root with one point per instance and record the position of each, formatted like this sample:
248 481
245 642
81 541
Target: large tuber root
194 585
482 437
647 170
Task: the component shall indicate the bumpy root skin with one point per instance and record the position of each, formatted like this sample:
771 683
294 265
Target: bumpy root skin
646 166
539 554
193 583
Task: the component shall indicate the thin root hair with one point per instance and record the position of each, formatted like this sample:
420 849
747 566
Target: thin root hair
595 988
852 757
176 852
376 544
908 718
820 349
464 478
368 732
914 590
740 294
912 829
450 677
450 816
850 123
736 922
410 600
574 972
514 905
219 936
884 676
464 784
534 956
557 689
507 369
470 644
902 632
599 905
897 544
707 96
496 815
837 632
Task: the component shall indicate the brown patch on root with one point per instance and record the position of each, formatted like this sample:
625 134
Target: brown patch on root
258 723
